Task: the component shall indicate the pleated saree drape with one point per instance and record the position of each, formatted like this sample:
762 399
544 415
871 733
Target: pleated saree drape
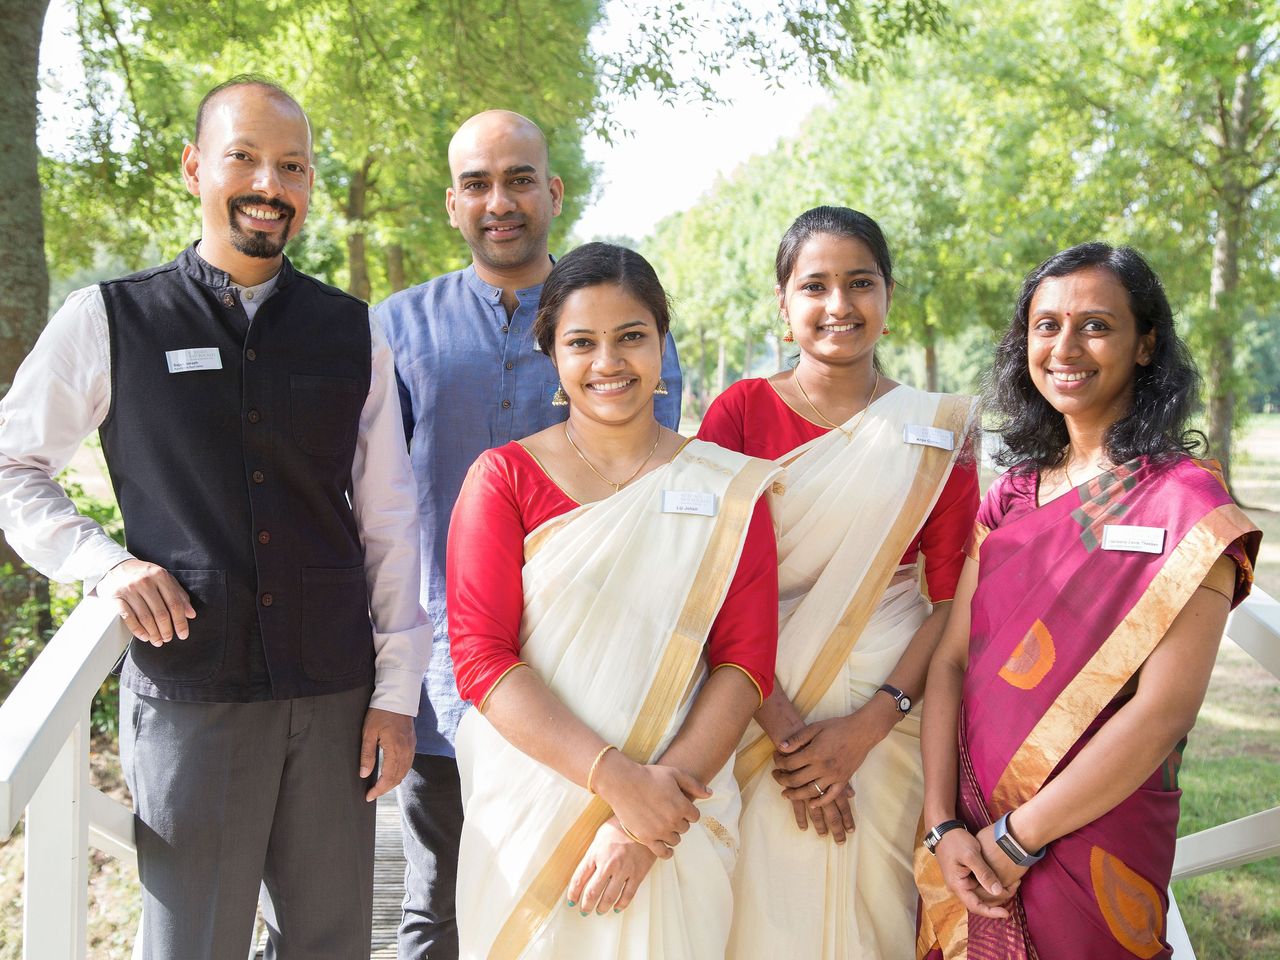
848 610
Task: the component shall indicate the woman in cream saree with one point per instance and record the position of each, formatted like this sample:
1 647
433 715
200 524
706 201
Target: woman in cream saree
867 492
589 618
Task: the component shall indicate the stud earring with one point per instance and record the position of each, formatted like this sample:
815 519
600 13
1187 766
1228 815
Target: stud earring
788 337
661 389
560 398
884 332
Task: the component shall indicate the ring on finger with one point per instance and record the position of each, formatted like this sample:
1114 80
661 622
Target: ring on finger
821 792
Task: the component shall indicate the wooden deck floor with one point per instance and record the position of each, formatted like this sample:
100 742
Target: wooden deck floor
388 881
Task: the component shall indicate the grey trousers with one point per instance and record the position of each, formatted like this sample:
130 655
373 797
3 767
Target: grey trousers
431 821
231 798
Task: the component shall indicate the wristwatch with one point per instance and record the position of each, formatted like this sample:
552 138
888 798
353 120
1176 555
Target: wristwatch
903 701
934 836
1016 851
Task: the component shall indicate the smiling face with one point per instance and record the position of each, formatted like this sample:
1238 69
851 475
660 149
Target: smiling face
1083 345
503 196
252 172
836 299
608 353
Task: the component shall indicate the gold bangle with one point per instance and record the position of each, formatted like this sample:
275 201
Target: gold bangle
595 763
634 838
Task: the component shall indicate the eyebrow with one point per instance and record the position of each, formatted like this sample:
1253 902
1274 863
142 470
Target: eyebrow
621 326
861 271
510 171
253 146
1086 312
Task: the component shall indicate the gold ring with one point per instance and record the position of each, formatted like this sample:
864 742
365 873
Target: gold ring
821 792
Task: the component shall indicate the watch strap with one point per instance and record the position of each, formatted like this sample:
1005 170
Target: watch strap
1012 848
902 701
934 836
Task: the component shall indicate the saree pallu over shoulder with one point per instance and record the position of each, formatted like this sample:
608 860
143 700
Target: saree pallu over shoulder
852 508
847 612
619 597
1059 625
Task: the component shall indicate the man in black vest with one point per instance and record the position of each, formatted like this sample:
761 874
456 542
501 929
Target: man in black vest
251 426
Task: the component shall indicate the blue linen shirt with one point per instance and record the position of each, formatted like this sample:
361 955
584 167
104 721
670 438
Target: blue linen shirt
470 379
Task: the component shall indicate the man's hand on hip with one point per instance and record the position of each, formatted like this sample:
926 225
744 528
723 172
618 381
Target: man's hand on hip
152 604
394 733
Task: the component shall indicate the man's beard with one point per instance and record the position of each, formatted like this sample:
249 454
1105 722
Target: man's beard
255 243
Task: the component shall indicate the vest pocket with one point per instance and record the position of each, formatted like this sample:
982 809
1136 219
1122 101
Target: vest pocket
337 638
199 657
325 412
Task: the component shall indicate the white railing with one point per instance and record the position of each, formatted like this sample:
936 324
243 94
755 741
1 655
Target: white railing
1255 628
44 771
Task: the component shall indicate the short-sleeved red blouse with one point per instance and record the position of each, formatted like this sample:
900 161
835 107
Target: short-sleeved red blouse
505 497
752 418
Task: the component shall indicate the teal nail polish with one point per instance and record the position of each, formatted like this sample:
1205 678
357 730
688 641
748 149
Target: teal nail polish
616 910
570 902
584 913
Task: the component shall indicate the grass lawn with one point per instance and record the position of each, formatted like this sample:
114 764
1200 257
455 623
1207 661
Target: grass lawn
1232 768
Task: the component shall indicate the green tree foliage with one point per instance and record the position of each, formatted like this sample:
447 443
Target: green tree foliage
1021 131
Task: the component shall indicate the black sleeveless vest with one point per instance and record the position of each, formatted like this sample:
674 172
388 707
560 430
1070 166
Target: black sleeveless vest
230 445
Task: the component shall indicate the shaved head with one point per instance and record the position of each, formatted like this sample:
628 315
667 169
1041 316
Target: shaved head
264 86
479 132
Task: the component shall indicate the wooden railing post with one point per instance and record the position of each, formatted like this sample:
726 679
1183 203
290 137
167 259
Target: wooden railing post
56 888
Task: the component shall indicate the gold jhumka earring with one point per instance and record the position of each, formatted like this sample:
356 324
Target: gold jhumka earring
661 389
559 398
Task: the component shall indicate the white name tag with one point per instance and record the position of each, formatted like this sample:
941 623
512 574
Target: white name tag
693 502
929 436
197 358
1116 536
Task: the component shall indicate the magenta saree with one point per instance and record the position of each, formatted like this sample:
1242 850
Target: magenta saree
1059 623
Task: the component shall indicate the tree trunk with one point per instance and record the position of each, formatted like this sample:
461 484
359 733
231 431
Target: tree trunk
722 358
357 256
1223 314
779 360
395 267
704 378
24 275
748 348
930 360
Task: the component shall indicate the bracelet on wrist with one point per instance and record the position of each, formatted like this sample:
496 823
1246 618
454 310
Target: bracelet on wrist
596 763
934 836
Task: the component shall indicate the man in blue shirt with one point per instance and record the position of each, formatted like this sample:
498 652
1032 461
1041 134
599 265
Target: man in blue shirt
470 378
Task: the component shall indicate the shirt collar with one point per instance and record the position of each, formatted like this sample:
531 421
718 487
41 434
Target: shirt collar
203 271
488 291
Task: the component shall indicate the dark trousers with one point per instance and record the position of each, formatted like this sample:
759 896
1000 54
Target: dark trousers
233 798
431 820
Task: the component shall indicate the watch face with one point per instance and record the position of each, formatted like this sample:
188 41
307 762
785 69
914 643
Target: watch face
904 704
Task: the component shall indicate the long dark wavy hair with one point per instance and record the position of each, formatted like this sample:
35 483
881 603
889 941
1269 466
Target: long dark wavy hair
1164 391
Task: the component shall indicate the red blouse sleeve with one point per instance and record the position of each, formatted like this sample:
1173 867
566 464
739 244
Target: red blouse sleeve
723 423
949 528
745 632
483 585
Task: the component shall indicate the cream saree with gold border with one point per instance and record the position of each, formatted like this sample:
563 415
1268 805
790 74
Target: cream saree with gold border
619 599
847 612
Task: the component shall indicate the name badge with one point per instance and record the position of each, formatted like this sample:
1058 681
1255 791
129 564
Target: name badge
1116 536
694 502
197 358
929 436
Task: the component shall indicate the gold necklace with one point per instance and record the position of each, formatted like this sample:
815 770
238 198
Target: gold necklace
848 434
591 467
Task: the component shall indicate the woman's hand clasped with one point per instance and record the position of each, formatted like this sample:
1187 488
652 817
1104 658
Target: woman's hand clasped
967 868
653 802
611 872
815 764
